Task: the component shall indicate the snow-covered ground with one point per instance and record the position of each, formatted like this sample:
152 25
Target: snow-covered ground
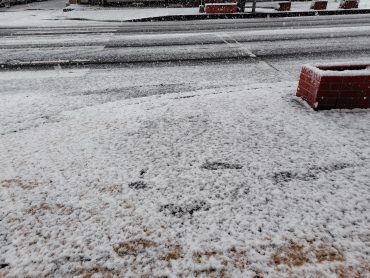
45 15
186 171
304 6
92 14
198 169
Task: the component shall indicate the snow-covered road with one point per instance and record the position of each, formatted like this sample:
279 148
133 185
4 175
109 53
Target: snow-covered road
196 41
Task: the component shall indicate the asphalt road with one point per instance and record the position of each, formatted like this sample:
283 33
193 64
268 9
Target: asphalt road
323 37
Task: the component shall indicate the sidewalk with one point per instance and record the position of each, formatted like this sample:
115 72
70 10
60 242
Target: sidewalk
39 14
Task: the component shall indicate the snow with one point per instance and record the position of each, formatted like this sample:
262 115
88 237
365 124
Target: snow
329 72
221 4
128 13
84 16
179 171
249 43
304 6
43 15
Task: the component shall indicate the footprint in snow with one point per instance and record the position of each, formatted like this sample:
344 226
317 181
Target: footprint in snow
137 185
4 265
220 165
187 208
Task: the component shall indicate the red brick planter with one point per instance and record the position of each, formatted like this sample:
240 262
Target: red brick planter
319 5
348 4
341 86
216 8
283 6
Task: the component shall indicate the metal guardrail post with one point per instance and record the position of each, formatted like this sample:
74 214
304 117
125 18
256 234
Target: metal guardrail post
254 6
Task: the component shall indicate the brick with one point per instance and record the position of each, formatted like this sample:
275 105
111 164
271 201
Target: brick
283 6
325 94
356 79
307 86
335 91
332 79
336 86
215 8
365 86
348 96
348 4
319 5
303 76
325 86
332 100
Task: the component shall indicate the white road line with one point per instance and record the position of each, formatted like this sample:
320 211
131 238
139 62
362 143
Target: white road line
62 47
69 32
267 65
235 44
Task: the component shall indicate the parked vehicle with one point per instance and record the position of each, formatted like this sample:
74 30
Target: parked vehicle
8 3
5 3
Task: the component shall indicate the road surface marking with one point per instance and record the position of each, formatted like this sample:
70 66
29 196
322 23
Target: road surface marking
235 44
64 32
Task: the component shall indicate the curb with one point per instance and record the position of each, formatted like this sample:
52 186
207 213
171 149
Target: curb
44 64
78 63
19 65
249 15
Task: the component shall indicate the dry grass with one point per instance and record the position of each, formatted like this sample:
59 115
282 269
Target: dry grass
59 209
175 253
210 272
229 259
346 272
24 184
328 253
99 270
111 189
134 247
293 254
202 257
350 272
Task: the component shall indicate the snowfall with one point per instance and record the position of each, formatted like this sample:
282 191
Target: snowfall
211 170
50 13
186 175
